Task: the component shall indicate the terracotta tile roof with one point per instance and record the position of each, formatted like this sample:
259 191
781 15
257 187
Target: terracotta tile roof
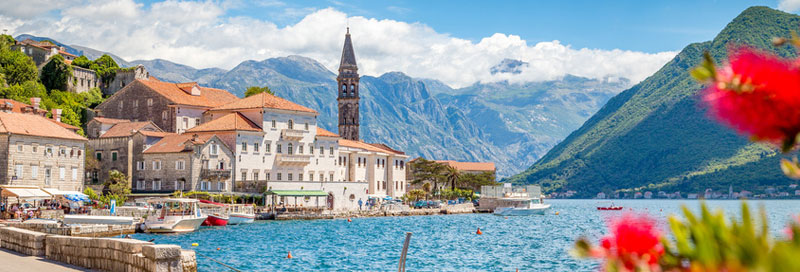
65 125
62 52
386 147
209 97
125 129
17 106
368 147
68 62
34 125
264 100
106 120
324 133
177 143
155 133
470 166
229 122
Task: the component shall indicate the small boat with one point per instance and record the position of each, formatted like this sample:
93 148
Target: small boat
241 214
531 206
174 215
609 208
217 213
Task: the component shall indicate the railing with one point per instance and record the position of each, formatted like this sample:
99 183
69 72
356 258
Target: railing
293 159
293 134
215 174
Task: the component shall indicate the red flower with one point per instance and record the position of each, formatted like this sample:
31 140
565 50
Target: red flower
757 94
634 240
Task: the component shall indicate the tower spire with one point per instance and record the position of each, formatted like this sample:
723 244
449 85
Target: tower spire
347 90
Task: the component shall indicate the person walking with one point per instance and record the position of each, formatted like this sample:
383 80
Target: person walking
360 203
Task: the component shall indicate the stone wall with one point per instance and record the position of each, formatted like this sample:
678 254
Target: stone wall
74 230
134 212
122 106
125 77
82 80
103 254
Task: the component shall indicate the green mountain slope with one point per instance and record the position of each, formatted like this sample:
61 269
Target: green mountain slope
656 136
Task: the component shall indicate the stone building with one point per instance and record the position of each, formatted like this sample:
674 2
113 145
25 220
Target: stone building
185 162
462 167
348 96
82 80
41 52
173 107
37 151
124 77
117 145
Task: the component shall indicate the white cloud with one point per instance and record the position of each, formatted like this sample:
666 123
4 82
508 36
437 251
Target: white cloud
200 34
789 5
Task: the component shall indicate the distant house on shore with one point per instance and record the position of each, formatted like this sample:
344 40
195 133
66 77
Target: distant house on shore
462 167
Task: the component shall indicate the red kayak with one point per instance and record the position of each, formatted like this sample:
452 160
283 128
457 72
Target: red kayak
610 208
215 220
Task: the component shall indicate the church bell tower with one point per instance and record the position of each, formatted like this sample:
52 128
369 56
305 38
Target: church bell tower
348 91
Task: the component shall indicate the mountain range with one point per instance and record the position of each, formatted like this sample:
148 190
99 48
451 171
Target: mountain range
657 135
511 124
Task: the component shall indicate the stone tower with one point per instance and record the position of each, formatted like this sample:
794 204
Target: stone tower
348 91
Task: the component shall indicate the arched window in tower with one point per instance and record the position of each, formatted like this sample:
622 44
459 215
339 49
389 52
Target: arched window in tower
291 150
344 89
291 124
352 89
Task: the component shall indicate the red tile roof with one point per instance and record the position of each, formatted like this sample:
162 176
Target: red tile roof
230 122
65 125
62 52
125 129
324 133
105 120
159 134
264 100
209 97
470 166
368 147
34 125
16 105
177 143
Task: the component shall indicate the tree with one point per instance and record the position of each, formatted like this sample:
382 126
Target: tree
252 90
6 41
426 171
475 181
105 67
117 187
82 61
452 176
17 66
56 74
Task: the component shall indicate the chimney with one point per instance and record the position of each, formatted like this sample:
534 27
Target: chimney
35 103
56 115
194 138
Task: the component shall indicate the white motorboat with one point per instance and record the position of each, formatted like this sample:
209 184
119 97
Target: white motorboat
174 215
520 207
241 214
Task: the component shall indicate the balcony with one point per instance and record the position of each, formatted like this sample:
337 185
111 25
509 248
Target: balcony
299 160
215 174
293 134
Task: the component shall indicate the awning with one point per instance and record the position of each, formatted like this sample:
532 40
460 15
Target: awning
297 193
24 192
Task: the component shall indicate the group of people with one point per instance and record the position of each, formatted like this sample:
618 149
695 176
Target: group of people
25 211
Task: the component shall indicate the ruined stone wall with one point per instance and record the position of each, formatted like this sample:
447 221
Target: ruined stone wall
125 77
82 80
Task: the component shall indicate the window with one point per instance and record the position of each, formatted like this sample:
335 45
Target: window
289 151
279 176
62 151
156 165
273 123
310 176
244 146
221 166
244 175
203 186
267 147
35 149
214 149
140 184
300 149
306 125
331 177
62 173
34 171
149 102
164 115
331 149
156 185
402 164
19 146
311 149
221 186
267 176
140 165
18 171
279 149
113 155
185 122
289 176
180 165
49 151
135 103
384 185
290 124
255 175
74 173
321 151
98 155
120 104
255 147
321 177
197 122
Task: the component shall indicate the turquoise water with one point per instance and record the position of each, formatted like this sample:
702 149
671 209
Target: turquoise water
438 243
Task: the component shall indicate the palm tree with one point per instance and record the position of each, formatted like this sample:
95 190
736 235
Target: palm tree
427 188
452 175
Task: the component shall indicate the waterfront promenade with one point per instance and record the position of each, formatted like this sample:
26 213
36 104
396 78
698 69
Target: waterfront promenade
13 262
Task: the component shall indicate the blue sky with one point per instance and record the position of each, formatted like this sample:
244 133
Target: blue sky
457 42
648 26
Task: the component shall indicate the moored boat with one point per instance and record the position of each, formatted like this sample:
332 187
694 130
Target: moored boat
611 207
241 214
217 213
523 206
174 215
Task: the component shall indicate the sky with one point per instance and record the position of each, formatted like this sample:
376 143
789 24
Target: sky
457 42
